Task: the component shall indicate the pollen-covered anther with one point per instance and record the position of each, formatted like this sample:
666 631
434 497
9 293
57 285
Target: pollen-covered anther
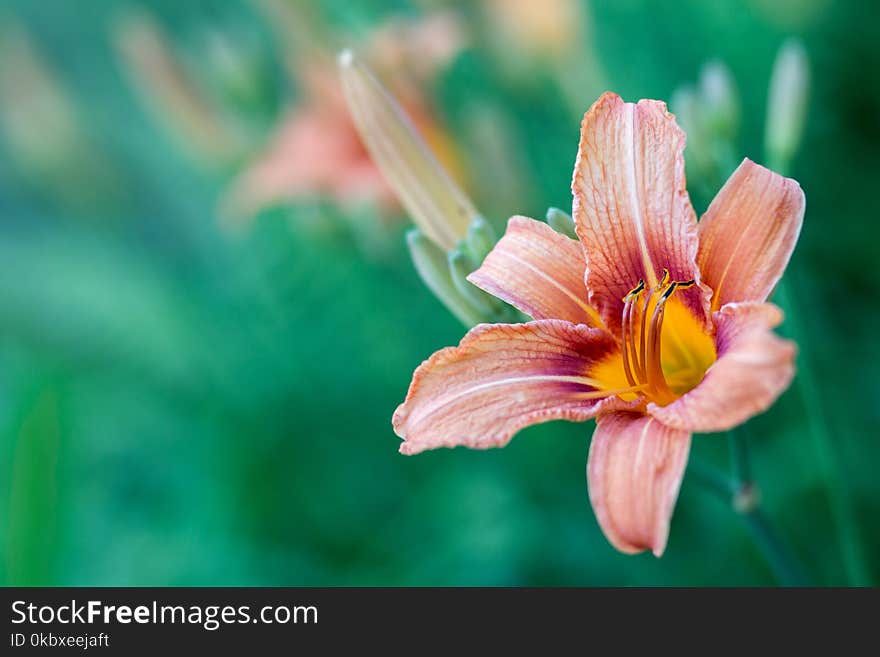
641 337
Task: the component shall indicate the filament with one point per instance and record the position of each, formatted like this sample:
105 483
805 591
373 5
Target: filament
625 342
628 341
598 394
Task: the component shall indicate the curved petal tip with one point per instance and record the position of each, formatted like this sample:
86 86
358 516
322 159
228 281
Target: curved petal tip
634 472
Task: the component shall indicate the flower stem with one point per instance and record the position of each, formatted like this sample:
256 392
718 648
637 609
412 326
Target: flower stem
742 497
787 569
842 514
839 500
711 479
739 457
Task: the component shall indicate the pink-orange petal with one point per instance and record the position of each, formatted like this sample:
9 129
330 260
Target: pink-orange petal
634 472
500 379
754 367
315 151
748 234
631 208
538 271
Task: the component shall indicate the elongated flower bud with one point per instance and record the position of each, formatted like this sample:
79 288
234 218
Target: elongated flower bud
787 105
686 106
683 104
434 269
561 222
435 203
37 117
161 79
720 100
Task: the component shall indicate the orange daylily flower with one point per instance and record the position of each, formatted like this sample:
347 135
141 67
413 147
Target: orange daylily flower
653 323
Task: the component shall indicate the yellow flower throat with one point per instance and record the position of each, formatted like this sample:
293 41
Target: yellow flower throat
665 350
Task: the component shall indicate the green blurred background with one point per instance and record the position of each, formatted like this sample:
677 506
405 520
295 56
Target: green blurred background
185 403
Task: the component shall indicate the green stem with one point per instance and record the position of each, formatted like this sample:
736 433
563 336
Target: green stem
711 479
739 457
842 514
784 564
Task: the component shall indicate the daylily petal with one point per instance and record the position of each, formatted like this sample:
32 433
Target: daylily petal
634 471
754 366
501 378
748 233
538 271
632 211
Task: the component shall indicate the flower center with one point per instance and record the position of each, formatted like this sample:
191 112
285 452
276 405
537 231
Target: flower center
663 357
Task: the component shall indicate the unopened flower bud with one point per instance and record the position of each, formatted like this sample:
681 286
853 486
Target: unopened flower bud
688 114
787 105
432 265
561 222
436 204
479 240
37 117
720 100
170 91
460 267
747 498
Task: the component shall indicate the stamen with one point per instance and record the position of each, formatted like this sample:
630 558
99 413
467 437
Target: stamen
667 293
597 394
627 337
656 379
675 339
627 315
638 363
655 369
642 363
643 337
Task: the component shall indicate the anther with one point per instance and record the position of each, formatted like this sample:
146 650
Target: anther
635 291
664 279
667 293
